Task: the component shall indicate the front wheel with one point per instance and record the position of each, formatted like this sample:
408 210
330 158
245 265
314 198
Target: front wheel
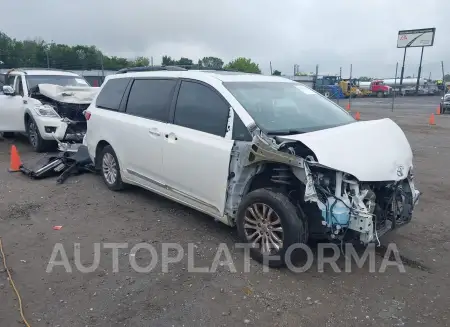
380 94
269 221
35 138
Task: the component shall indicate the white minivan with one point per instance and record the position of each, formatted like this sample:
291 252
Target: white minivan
268 155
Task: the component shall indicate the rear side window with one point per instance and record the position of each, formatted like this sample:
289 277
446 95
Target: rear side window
199 107
111 94
151 98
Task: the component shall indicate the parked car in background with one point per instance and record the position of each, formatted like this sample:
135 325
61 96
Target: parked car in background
263 153
47 105
445 103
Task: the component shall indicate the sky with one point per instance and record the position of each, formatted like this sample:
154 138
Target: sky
328 33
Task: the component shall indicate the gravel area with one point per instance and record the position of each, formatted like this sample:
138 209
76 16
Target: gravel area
89 213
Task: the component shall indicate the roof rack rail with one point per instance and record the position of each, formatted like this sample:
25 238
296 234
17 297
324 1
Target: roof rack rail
149 69
35 68
198 67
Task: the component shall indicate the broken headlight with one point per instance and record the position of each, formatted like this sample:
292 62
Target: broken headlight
46 110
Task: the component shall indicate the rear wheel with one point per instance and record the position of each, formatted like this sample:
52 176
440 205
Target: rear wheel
110 169
271 224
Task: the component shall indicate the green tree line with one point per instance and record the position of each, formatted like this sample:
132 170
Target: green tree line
39 53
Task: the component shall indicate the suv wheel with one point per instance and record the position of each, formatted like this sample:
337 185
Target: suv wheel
35 139
110 170
271 223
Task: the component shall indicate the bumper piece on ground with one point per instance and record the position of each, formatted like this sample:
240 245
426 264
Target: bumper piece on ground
63 164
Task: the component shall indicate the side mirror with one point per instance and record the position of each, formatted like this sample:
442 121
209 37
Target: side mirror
8 90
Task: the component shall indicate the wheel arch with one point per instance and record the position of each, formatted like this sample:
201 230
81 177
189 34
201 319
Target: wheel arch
98 150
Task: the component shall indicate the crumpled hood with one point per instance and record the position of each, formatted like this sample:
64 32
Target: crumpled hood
374 150
69 94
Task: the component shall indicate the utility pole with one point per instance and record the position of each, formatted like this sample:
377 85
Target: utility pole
395 87
403 70
418 74
271 73
443 78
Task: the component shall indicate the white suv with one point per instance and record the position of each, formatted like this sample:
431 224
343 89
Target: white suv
263 153
45 104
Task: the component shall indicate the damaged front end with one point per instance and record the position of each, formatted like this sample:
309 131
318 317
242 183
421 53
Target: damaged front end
67 104
347 205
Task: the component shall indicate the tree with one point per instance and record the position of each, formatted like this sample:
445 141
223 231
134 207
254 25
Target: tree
167 61
38 53
276 73
140 62
211 63
365 79
244 65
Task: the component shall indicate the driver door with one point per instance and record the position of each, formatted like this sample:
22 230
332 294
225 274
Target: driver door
12 107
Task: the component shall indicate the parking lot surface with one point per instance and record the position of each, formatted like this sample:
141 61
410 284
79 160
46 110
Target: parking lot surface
89 213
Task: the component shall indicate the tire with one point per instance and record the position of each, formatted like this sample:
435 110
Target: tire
380 94
110 169
292 224
34 137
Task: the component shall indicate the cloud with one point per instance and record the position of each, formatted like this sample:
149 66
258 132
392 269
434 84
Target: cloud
332 34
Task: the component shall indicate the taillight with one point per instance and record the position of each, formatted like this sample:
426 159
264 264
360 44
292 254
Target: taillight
87 115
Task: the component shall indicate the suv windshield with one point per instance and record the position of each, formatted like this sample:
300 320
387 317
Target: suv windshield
62 80
287 108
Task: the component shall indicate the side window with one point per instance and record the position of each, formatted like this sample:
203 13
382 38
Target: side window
111 94
150 98
240 131
19 86
10 80
200 108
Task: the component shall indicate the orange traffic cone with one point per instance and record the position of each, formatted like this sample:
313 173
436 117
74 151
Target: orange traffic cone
431 120
438 110
15 162
358 116
348 106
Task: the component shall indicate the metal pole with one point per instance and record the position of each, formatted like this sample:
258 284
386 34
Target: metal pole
443 78
103 69
315 77
403 70
349 81
48 60
418 74
340 77
270 67
395 86
151 61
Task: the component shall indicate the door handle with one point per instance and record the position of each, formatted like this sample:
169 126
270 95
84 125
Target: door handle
154 132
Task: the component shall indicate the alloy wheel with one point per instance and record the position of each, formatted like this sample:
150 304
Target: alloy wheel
263 229
33 134
109 168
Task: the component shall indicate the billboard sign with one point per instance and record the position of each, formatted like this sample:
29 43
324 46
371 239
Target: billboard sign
416 38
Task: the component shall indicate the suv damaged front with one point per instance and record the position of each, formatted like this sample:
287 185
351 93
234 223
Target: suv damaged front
66 104
353 180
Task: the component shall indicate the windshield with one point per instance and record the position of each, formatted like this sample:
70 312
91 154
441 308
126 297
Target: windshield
62 80
287 108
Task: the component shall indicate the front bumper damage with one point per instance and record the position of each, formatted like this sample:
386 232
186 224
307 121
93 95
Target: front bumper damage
346 207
